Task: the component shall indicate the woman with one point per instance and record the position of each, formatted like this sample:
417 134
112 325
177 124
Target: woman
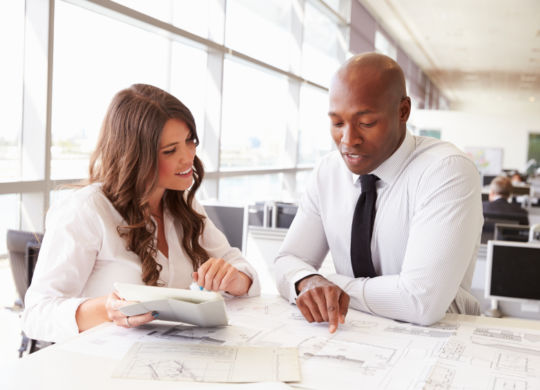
137 221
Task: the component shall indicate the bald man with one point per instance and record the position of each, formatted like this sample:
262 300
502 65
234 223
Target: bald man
426 219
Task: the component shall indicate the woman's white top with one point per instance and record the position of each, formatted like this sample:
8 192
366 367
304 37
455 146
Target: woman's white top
82 255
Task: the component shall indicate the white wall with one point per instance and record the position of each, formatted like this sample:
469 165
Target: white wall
499 130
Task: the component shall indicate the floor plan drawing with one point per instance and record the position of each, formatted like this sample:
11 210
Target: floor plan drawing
378 353
172 361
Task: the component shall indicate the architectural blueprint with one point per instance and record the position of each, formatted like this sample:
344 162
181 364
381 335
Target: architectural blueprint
209 363
368 352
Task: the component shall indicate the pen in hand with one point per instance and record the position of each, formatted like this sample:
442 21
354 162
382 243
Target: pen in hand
194 286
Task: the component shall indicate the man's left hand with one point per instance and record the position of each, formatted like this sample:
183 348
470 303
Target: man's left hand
322 301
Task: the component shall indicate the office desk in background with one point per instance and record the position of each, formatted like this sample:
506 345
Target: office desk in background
366 352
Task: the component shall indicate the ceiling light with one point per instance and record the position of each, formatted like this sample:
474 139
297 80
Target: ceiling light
531 99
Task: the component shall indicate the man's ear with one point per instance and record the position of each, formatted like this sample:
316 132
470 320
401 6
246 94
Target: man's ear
404 108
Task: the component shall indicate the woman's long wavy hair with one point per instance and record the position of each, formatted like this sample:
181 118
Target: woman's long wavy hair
126 163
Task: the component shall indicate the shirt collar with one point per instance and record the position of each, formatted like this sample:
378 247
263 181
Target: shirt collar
389 169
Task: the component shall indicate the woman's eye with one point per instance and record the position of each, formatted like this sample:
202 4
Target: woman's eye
170 151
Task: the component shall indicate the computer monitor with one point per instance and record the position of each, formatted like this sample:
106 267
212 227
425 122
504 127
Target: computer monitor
513 271
231 220
511 232
285 213
521 190
486 179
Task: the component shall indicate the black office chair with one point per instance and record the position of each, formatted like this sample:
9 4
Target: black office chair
490 220
23 249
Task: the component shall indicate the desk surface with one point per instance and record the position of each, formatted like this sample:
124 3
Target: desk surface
367 352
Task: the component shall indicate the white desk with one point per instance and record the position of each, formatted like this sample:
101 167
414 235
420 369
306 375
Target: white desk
461 352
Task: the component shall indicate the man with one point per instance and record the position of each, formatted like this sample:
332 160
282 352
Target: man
411 256
500 190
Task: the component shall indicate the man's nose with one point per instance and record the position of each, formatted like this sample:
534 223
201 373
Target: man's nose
349 135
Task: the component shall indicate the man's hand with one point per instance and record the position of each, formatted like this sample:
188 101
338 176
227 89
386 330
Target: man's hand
322 301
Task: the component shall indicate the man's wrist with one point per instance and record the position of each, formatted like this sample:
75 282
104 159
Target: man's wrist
299 285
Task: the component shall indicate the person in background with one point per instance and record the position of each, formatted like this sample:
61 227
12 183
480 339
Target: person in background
500 192
517 179
136 221
400 214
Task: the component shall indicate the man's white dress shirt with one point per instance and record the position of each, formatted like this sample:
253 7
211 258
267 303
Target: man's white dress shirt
425 236
82 255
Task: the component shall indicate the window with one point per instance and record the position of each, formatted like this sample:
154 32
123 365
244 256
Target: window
252 188
260 29
260 108
254 117
384 45
90 66
314 138
11 92
189 15
188 78
324 46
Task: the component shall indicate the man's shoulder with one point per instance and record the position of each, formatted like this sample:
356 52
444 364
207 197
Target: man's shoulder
429 153
432 148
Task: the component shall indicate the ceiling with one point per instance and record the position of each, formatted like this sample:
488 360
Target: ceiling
482 54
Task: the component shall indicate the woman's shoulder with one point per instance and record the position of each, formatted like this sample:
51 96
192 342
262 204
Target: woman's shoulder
89 199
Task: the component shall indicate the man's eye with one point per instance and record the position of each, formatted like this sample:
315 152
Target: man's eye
337 124
170 151
371 124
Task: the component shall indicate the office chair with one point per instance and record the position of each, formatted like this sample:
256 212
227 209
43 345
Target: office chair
490 220
23 249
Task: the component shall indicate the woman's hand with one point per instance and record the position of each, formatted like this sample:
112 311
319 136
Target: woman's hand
218 275
114 302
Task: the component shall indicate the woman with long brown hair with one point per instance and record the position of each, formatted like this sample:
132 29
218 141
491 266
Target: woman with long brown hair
136 221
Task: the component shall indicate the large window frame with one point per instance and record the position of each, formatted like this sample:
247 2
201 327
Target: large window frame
35 187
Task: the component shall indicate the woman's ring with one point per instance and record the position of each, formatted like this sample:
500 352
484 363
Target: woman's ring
127 322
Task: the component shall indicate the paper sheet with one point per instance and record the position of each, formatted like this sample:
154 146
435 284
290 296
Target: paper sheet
209 363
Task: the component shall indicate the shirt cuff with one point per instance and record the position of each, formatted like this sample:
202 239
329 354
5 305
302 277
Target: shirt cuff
355 288
255 288
294 279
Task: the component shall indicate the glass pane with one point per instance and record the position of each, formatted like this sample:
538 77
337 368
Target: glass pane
342 7
91 65
315 140
251 188
324 46
384 45
260 29
302 178
11 76
9 209
188 76
254 117
189 15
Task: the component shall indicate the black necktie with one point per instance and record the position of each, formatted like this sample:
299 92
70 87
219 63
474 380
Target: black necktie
362 228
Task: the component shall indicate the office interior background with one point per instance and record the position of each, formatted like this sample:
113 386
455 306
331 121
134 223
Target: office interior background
255 74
